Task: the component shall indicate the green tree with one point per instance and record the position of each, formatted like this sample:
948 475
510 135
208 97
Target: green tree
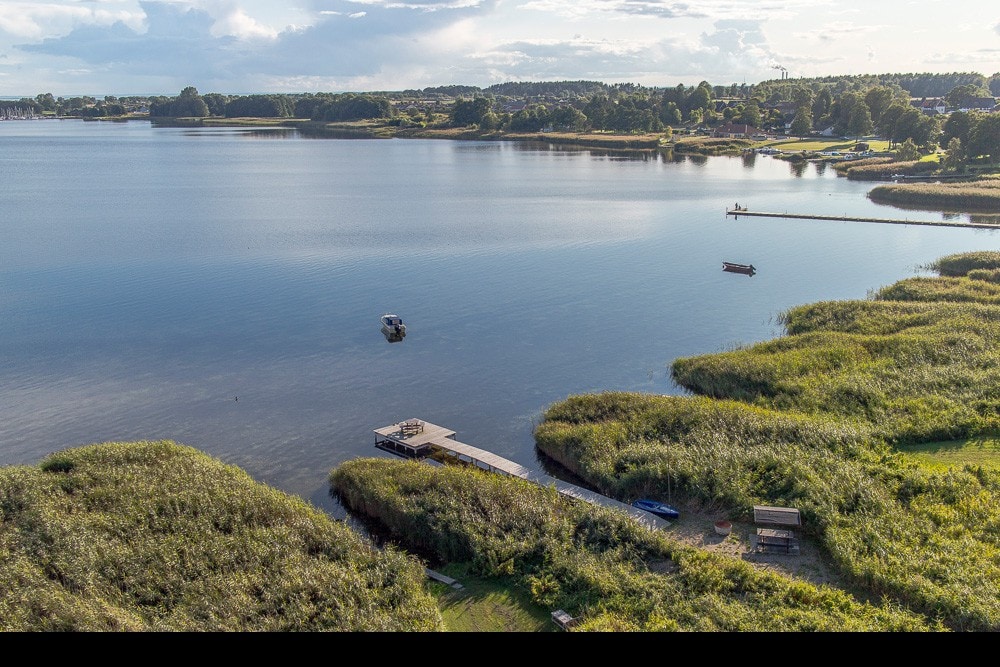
960 97
470 112
878 100
568 118
46 101
670 114
954 158
821 105
957 126
700 98
984 137
190 103
216 103
259 106
751 114
860 124
802 123
352 106
908 151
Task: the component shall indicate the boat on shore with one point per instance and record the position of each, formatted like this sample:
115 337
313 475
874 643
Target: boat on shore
392 326
662 510
733 267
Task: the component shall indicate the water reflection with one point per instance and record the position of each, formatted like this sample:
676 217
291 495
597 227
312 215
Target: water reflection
749 159
572 150
983 218
392 337
798 167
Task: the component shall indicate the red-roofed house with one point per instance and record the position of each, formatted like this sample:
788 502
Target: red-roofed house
735 131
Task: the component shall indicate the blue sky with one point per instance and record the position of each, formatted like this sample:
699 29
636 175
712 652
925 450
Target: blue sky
138 47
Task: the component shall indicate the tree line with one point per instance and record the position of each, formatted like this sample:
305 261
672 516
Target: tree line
857 106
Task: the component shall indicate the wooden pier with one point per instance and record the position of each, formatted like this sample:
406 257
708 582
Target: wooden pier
418 439
736 213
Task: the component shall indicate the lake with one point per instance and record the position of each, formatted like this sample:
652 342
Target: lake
222 288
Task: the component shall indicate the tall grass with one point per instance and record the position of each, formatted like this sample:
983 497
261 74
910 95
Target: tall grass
820 419
598 564
982 195
877 171
154 536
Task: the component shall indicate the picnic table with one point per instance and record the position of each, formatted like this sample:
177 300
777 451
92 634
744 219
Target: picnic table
411 427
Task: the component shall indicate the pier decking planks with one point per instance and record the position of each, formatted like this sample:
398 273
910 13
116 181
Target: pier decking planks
438 439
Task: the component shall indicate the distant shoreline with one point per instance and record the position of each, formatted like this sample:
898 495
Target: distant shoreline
977 195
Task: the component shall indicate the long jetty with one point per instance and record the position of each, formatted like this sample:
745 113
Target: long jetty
736 213
419 439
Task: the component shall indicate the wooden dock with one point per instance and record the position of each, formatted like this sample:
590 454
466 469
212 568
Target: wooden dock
736 213
415 438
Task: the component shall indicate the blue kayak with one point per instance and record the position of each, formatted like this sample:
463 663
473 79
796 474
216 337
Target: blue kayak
661 510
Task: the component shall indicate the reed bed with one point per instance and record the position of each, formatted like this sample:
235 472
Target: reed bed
157 537
981 195
844 166
598 564
821 420
711 145
879 171
961 264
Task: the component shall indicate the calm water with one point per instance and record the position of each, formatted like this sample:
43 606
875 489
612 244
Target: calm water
149 277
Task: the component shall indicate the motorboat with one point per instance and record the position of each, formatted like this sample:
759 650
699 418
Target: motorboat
662 510
392 325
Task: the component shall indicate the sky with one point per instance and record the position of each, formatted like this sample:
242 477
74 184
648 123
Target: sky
238 47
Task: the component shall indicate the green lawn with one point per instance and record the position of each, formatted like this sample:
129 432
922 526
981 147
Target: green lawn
487 605
826 144
983 452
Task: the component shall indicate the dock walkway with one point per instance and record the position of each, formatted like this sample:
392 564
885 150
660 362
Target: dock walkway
431 439
736 213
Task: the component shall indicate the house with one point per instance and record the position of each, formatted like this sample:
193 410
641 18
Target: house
980 104
786 109
930 106
735 131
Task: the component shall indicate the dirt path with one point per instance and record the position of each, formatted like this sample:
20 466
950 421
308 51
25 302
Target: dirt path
696 527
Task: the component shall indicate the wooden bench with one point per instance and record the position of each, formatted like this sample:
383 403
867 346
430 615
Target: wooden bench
776 516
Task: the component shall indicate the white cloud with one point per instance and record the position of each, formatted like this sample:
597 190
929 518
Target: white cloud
38 20
238 46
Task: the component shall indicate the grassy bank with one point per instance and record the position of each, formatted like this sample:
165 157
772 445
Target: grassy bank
597 564
711 145
824 419
968 196
157 537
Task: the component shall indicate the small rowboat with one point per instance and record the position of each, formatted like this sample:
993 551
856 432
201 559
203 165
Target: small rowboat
662 510
733 267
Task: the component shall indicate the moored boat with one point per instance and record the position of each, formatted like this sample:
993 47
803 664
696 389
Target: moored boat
733 267
662 510
392 325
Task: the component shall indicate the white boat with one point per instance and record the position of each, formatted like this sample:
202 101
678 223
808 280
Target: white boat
392 325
